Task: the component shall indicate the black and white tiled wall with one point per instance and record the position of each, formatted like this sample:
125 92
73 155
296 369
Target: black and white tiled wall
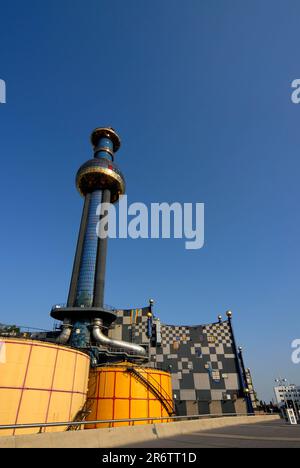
200 358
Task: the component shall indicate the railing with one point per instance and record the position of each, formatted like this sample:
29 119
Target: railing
19 331
159 392
133 420
63 306
163 393
4 327
120 351
86 410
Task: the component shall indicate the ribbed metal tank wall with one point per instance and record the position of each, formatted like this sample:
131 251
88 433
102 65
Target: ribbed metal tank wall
120 392
40 382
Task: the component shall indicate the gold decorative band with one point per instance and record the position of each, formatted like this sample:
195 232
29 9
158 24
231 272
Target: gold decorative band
102 170
106 132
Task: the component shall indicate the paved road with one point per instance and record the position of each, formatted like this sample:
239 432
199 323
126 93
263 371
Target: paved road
273 434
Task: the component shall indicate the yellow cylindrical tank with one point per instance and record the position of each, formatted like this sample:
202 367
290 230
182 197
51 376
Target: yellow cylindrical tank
40 382
126 391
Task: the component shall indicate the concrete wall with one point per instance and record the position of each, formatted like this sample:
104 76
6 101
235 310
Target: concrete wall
120 436
240 406
215 407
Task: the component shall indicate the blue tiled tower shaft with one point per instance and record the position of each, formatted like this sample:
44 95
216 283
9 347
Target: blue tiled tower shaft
88 276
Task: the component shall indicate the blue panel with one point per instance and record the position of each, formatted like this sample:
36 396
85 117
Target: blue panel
104 142
80 337
85 285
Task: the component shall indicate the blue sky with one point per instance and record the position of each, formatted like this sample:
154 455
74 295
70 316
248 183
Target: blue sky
200 93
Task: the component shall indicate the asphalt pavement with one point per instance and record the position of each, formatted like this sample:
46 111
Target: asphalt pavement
273 434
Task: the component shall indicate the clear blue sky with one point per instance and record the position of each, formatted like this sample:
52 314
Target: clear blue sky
199 91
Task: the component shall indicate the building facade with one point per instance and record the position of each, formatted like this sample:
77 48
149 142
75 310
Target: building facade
203 361
252 392
108 364
287 394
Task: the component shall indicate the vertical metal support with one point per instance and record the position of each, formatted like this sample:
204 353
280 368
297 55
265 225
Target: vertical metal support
235 350
248 396
149 320
78 255
101 259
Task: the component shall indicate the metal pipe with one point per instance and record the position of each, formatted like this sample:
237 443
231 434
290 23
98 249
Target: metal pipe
64 336
99 337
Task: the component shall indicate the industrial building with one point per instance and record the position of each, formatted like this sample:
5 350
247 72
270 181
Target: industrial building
287 394
111 365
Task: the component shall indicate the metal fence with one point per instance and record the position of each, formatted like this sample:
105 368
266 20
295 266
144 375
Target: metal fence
133 421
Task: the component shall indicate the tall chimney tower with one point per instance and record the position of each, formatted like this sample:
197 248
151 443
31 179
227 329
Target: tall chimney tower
84 317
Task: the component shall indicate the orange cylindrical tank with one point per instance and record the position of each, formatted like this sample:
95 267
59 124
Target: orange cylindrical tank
126 391
40 382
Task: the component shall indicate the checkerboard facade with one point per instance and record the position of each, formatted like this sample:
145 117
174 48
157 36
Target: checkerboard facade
200 358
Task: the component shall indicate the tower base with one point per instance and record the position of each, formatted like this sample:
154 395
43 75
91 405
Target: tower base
76 313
